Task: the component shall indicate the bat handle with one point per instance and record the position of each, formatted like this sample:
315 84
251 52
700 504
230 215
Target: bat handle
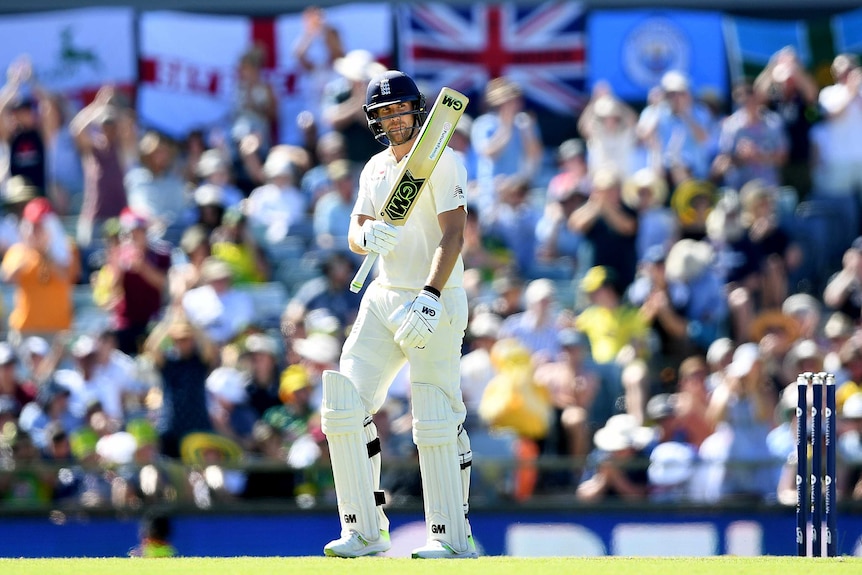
362 272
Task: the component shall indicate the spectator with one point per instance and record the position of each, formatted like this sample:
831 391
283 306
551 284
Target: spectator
343 100
681 130
23 136
741 408
330 291
278 205
512 222
330 148
608 322
608 126
671 471
44 270
64 178
14 392
610 226
50 407
184 357
691 401
790 91
140 276
255 108
230 411
692 201
209 206
506 139
559 249
617 467
216 307
477 370
753 143
215 168
536 327
572 385
234 242
264 372
19 191
840 174
153 189
183 276
849 446
843 292
332 211
316 48
646 193
97 137
571 168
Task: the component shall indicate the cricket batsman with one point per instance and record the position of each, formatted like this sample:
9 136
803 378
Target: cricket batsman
415 311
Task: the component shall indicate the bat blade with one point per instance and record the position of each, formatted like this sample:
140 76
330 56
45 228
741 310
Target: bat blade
416 170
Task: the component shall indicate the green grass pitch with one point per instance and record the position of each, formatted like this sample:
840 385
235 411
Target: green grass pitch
400 566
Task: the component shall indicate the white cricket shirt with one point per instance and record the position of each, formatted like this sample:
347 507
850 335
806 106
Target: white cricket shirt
407 265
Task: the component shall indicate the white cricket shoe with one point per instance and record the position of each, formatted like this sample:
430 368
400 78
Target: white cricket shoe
355 545
441 550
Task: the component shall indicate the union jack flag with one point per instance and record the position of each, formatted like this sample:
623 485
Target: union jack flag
540 47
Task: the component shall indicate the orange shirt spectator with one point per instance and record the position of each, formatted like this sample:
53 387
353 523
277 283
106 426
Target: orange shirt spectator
43 274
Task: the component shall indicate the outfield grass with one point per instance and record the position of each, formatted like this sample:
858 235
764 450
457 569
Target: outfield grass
399 566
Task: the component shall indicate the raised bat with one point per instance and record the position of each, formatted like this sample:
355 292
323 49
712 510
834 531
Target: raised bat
416 170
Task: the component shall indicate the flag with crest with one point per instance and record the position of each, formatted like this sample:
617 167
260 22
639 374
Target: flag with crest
541 47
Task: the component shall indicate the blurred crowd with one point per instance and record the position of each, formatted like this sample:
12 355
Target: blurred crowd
643 296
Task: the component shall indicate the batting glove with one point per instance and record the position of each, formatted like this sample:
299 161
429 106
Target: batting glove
422 319
379 237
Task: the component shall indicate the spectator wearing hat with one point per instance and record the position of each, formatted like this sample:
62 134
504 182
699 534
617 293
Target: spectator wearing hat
19 101
837 330
209 206
610 226
506 139
44 270
97 137
680 128
692 201
608 126
214 168
15 392
646 193
292 416
332 210
741 408
343 99
140 267
536 327
689 263
573 385
234 242
230 411
278 205
264 371
330 147
216 306
184 356
753 142
617 467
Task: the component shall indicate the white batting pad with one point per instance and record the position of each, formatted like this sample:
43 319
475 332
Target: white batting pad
342 420
435 432
465 461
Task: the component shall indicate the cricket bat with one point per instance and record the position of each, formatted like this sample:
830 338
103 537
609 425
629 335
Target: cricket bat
416 170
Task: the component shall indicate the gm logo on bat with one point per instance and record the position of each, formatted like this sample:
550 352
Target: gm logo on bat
452 103
403 197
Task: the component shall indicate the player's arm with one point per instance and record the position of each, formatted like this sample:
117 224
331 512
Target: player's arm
452 223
